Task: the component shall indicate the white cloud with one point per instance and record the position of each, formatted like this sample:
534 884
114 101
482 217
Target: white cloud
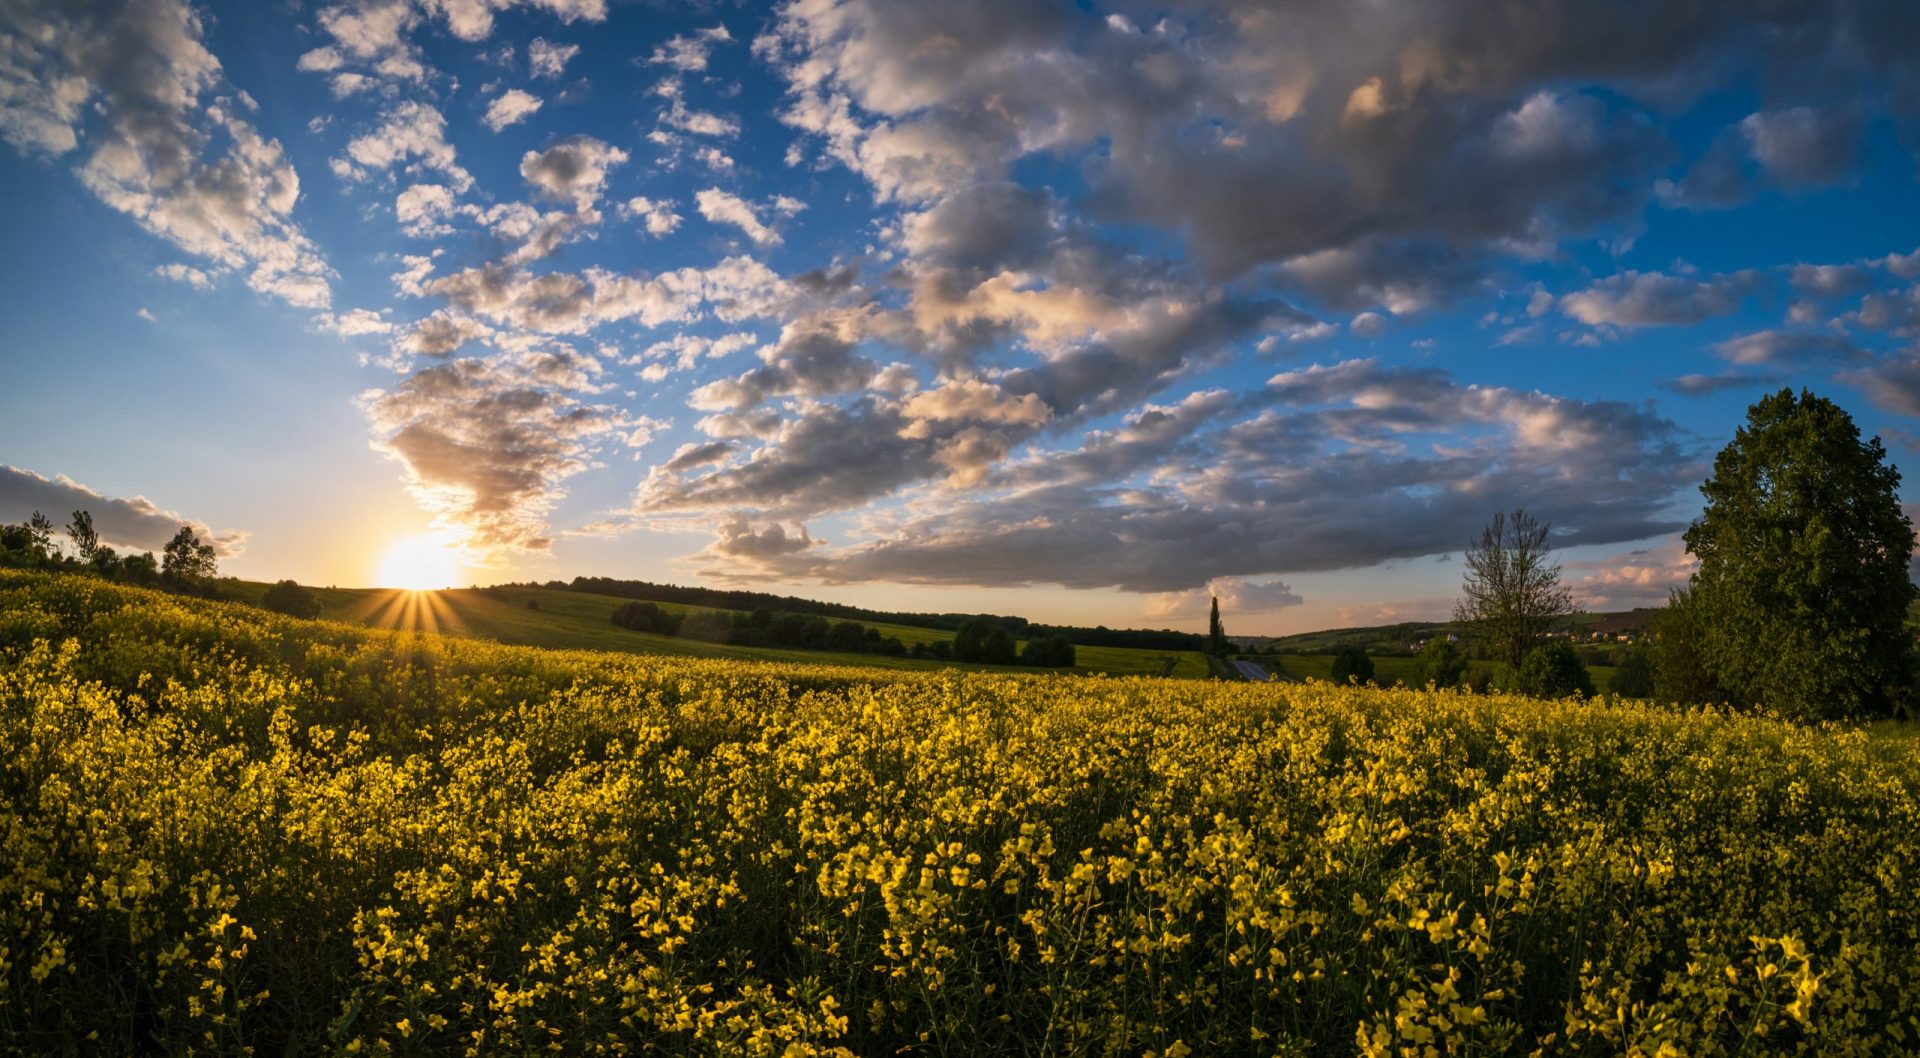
546 59
658 214
689 52
136 523
721 207
512 107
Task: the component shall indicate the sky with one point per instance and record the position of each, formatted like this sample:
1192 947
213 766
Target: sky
1083 312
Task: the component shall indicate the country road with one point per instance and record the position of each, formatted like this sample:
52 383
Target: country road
1252 671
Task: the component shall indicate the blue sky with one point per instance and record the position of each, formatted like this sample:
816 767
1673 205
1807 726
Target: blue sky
1077 311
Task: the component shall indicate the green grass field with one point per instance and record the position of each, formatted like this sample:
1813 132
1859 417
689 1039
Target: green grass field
571 620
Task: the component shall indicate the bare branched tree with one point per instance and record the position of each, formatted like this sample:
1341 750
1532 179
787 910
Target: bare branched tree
1513 596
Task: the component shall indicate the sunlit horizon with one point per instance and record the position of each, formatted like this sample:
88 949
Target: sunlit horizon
419 563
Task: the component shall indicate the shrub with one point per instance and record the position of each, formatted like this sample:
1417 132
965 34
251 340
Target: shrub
1553 670
1632 675
648 617
290 598
1442 663
1352 665
1049 652
708 626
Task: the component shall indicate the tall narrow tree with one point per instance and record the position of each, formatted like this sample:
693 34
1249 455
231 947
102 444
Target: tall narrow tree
1216 632
1511 595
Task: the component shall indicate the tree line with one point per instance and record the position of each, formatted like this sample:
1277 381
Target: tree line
975 640
186 563
748 601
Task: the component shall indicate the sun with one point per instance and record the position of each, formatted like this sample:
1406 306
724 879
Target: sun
420 563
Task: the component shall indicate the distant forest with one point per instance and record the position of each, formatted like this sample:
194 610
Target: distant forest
1100 636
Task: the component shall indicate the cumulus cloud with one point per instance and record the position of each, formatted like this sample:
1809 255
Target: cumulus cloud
510 108
547 59
657 215
1803 146
572 170
486 444
688 52
136 84
412 136
1653 299
136 524
721 207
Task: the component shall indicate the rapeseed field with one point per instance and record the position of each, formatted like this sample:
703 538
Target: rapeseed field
225 832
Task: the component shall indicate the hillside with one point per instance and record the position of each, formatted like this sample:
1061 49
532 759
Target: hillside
229 832
566 619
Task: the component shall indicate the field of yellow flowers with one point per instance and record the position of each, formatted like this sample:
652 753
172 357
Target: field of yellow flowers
228 832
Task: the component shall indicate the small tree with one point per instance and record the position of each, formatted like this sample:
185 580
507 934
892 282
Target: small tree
1676 645
1512 591
85 540
1216 632
1633 676
1553 670
1803 585
1051 652
1352 665
186 559
1442 663
40 532
289 598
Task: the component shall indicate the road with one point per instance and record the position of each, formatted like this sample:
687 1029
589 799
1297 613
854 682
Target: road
1252 671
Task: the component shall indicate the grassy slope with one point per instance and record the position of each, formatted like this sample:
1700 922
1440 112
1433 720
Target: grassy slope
571 620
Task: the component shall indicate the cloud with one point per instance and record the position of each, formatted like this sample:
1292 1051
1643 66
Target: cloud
1698 385
412 135
573 170
137 85
720 207
1644 577
486 444
1801 146
1891 383
657 214
510 108
1791 348
688 52
1652 299
1237 595
547 59
136 524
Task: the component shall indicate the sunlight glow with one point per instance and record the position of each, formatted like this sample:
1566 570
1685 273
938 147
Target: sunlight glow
421 563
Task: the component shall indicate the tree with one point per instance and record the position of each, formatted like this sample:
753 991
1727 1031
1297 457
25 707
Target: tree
1676 643
1513 595
289 598
985 642
40 532
1352 665
85 540
186 559
647 617
1633 676
1216 632
1803 585
1442 664
1049 652
1554 670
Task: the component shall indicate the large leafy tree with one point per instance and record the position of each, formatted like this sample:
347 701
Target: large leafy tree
1511 595
1803 585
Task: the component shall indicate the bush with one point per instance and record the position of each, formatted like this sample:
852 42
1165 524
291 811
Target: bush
1677 637
1049 652
290 598
984 642
1633 675
708 626
1553 670
1352 665
648 617
1442 664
